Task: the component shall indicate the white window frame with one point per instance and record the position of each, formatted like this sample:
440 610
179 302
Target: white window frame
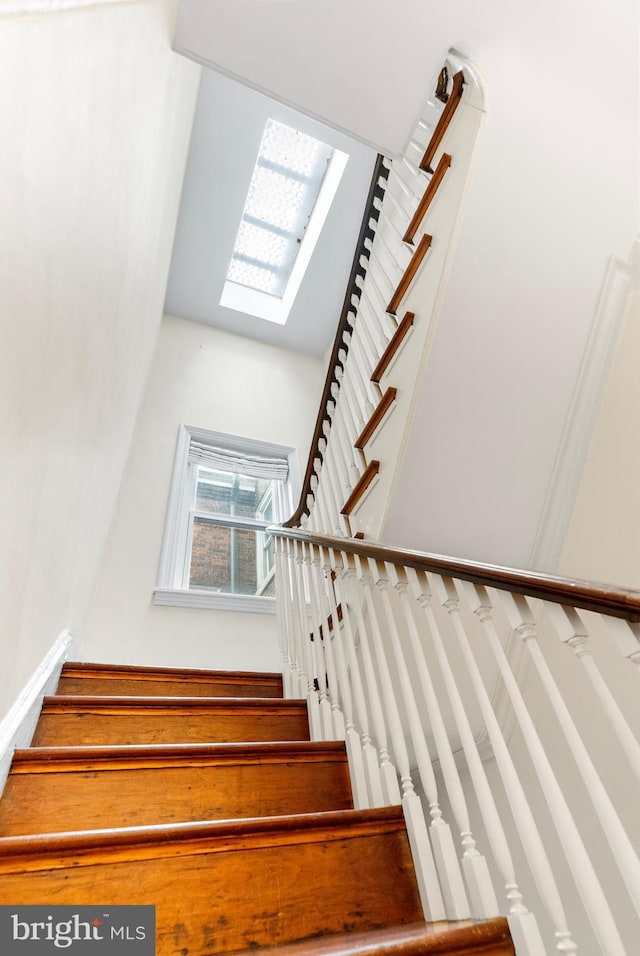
172 587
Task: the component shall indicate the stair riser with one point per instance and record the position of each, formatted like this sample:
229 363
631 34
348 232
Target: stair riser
133 687
216 902
87 798
96 729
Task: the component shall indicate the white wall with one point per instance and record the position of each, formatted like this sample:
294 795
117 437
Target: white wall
206 377
95 114
603 541
554 193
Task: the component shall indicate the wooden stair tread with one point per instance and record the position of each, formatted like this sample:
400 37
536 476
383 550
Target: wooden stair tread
230 885
77 678
484 938
376 419
87 788
52 850
393 346
360 487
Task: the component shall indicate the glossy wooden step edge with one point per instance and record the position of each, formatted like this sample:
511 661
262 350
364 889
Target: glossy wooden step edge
592 596
360 487
50 851
427 198
409 274
443 123
378 415
62 759
394 344
464 938
186 705
139 672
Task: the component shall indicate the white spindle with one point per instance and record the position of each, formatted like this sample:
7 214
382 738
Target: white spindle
626 636
623 852
391 792
324 644
428 883
311 693
572 630
522 922
596 906
374 781
442 843
481 891
334 642
454 897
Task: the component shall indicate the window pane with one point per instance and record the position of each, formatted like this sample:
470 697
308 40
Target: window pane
274 198
254 277
263 244
231 560
225 493
290 148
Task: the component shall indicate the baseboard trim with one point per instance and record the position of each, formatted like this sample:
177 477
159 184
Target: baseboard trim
17 727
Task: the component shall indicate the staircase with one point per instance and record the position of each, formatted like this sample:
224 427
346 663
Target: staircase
200 792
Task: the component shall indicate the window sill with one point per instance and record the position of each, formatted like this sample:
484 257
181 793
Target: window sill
214 601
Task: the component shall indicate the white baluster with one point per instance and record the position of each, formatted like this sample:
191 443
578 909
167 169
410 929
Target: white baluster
522 922
284 607
481 893
596 906
325 644
375 796
391 792
626 636
311 693
623 852
443 848
317 649
572 630
419 836
335 640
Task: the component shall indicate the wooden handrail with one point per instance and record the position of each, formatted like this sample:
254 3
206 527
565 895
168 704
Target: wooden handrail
427 199
344 325
589 595
443 123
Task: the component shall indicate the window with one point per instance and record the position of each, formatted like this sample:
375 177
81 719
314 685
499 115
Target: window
225 493
283 190
294 181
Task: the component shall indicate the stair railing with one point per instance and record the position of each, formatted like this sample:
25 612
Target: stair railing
377 321
406 656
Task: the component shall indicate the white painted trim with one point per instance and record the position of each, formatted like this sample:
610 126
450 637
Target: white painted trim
17 727
214 600
621 279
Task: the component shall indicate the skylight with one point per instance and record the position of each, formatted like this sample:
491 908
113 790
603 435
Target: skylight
284 187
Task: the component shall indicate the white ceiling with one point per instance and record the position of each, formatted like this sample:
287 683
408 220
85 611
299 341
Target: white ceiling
226 136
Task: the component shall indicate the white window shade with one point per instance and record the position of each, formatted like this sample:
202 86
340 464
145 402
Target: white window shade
257 466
